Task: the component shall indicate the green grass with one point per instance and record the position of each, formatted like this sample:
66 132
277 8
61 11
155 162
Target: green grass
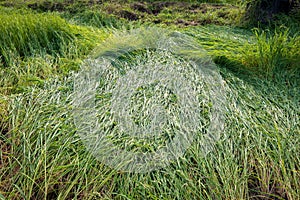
95 19
37 46
31 34
182 13
256 155
264 53
275 52
42 156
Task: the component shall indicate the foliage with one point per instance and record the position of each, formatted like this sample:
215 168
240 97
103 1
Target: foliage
94 18
45 158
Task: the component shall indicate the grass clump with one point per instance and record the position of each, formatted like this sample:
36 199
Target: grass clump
36 46
264 53
273 53
94 18
199 14
41 147
26 34
224 44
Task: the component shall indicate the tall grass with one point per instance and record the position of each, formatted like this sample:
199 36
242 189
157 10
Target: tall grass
274 52
201 1
256 157
42 157
27 34
36 46
265 53
94 18
46 158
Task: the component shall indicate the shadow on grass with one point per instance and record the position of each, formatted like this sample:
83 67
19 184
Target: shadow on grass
287 83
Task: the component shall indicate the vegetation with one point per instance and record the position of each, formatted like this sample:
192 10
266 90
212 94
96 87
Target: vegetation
265 10
44 42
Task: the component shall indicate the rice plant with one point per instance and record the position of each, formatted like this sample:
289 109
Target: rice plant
256 155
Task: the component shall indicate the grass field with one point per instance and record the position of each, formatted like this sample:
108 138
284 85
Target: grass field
43 43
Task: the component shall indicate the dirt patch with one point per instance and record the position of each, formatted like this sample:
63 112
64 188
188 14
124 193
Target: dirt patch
7 4
179 13
183 22
154 7
129 15
141 7
157 7
62 6
47 6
